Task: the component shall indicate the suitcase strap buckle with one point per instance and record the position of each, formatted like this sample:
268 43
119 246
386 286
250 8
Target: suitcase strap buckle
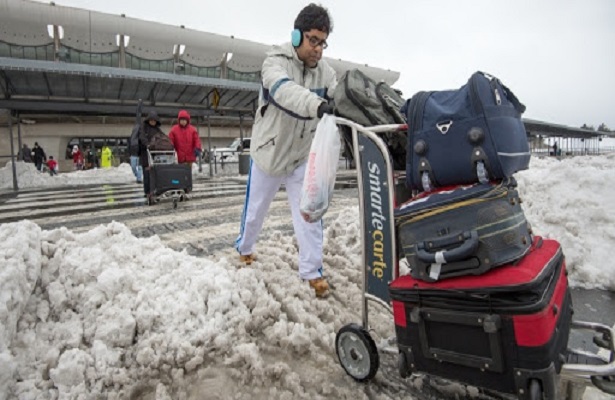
444 126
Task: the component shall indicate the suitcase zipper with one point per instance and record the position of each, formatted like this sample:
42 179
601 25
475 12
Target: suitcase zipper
493 81
412 218
496 92
480 192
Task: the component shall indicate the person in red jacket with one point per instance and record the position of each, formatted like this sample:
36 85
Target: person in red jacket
77 158
185 139
52 165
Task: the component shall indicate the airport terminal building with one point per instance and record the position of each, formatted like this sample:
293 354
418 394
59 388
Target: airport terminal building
74 76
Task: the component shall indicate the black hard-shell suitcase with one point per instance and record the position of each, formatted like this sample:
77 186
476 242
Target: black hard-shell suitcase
463 230
167 177
499 330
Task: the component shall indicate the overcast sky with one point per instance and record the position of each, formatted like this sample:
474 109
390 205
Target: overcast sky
558 56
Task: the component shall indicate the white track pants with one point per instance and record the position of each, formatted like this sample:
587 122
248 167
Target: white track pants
261 190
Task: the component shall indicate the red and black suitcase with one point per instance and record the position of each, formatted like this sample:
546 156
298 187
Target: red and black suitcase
500 331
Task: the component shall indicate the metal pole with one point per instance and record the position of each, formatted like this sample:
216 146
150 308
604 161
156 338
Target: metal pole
15 187
240 131
200 158
209 145
19 144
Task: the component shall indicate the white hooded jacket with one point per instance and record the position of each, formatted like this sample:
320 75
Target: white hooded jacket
286 118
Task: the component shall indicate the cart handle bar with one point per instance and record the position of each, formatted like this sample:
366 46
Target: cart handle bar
387 128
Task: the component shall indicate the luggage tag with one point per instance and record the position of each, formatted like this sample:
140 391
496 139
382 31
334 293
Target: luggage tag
436 268
404 267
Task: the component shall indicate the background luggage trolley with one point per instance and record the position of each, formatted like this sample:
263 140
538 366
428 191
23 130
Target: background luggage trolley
506 330
167 178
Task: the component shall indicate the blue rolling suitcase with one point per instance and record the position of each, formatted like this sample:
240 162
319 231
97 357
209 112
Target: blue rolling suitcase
473 134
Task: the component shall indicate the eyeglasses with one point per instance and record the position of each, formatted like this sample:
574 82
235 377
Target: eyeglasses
315 42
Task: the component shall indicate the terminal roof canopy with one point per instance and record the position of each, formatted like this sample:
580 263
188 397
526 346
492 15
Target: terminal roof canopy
539 128
39 87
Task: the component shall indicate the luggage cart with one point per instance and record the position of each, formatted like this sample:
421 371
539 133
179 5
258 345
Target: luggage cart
355 348
168 179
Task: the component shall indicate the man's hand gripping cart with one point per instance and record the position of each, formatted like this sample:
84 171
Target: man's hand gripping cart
357 351
167 178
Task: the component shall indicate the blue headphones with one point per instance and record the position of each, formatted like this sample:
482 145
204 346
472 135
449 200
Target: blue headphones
296 37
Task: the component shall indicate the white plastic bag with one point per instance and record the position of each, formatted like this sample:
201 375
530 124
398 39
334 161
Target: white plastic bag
321 169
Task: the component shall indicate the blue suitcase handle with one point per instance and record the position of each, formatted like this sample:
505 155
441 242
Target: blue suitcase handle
466 249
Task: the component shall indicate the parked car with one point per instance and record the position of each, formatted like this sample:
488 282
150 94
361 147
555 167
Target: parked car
236 146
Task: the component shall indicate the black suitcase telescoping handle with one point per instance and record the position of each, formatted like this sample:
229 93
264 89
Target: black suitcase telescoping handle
467 247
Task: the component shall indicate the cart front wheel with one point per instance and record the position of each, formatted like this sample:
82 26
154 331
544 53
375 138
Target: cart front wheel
357 352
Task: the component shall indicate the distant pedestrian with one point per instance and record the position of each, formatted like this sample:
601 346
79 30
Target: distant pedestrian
38 156
106 157
26 154
137 170
185 139
150 128
52 165
133 149
77 158
90 158
555 149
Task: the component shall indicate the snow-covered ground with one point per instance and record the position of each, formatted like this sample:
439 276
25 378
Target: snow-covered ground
106 315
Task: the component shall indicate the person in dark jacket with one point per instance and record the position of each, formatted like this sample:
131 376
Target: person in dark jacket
91 158
38 156
25 154
555 149
185 139
149 128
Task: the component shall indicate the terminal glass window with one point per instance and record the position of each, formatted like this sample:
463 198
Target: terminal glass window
44 53
244 76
